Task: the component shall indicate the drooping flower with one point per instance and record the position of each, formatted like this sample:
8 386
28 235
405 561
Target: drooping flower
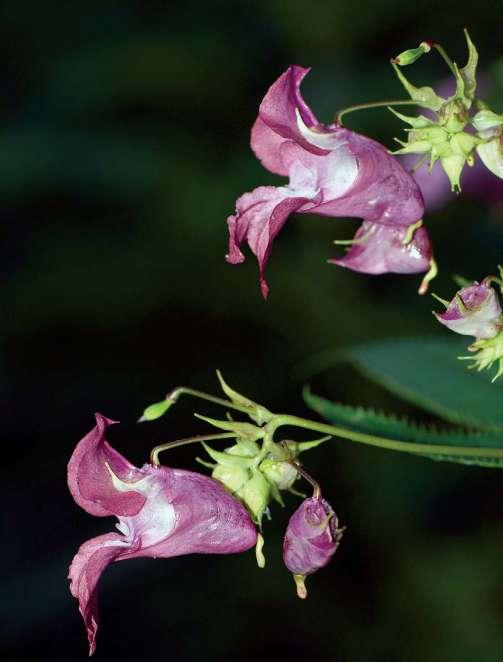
474 311
311 538
332 172
162 512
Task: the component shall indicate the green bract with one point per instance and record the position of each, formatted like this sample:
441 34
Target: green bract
443 137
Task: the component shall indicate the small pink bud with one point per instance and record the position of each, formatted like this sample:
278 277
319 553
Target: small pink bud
311 538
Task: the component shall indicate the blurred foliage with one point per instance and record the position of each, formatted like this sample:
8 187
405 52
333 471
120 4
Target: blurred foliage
125 129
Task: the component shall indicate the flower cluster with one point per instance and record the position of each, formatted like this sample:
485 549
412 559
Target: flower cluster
164 512
450 133
332 172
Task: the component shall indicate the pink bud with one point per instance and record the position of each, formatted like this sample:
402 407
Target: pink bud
311 538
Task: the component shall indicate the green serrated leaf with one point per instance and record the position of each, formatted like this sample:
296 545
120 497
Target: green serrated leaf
428 374
390 427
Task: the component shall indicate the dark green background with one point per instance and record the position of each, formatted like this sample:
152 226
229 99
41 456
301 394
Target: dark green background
123 146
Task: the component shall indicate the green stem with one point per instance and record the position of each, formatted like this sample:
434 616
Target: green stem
183 390
446 59
154 455
308 477
380 442
373 104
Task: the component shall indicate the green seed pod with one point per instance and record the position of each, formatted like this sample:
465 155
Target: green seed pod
280 473
255 494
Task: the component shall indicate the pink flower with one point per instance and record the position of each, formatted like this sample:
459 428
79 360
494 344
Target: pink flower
332 172
162 512
311 538
474 311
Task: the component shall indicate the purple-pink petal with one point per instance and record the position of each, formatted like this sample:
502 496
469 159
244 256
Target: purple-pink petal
379 249
281 107
85 571
384 192
207 519
266 143
259 217
474 311
90 481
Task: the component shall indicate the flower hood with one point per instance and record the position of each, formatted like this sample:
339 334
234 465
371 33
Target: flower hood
162 512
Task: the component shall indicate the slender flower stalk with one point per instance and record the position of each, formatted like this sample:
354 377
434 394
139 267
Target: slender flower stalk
372 104
154 454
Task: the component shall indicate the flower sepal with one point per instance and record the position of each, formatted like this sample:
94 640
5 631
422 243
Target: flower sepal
488 352
257 412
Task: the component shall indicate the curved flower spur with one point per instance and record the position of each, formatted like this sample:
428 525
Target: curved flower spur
332 172
162 512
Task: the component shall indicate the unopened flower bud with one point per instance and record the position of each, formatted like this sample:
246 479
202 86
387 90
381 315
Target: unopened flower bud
255 494
412 55
474 311
281 473
311 538
232 465
233 478
155 411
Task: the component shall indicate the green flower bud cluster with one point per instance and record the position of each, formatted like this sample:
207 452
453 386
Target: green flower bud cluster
256 474
255 469
444 137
